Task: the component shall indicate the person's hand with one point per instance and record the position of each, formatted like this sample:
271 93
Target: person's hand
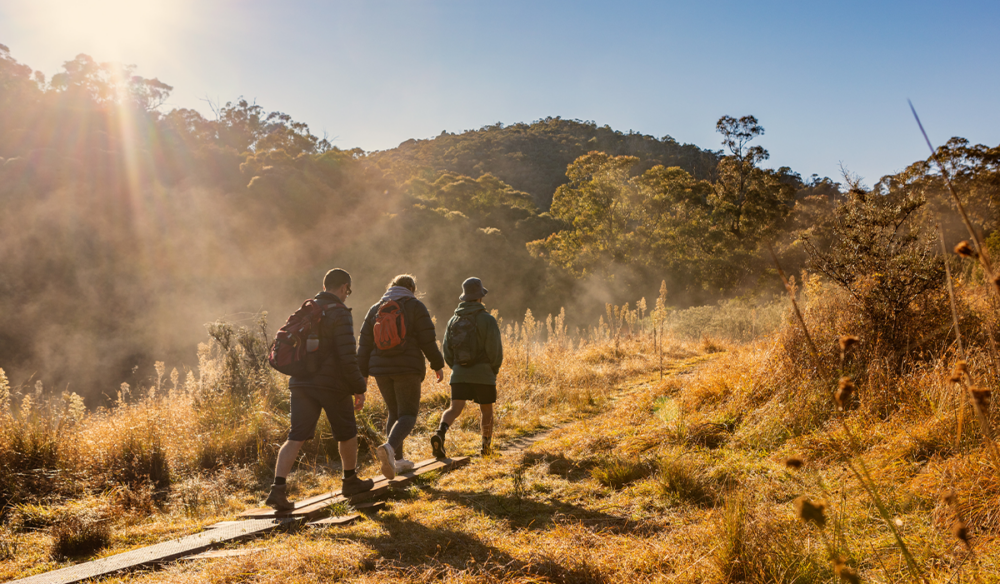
359 401
440 375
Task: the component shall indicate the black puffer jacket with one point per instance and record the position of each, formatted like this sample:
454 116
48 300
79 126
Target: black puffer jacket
339 371
420 341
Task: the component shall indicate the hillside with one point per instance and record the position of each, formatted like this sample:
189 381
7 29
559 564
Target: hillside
533 157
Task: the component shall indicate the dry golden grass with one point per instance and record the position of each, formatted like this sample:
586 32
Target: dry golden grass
679 479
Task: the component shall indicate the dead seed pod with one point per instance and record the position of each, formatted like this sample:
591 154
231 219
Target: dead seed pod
846 342
845 390
961 531
965 250
811 512
845 572
794 462
981 396
956 374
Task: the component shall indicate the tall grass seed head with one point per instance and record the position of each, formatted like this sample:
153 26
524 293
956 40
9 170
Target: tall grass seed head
961 531
811 512
845 390
981 396
847 341
956 374
845 572
965 250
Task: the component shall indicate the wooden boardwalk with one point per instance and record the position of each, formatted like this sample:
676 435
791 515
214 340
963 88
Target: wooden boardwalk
161 552
313 507
256 522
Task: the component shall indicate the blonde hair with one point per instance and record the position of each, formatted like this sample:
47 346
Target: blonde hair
406 281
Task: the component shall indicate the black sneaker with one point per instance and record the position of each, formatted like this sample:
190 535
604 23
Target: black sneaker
437 446
354 485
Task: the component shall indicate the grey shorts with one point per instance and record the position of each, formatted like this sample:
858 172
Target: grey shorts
308 402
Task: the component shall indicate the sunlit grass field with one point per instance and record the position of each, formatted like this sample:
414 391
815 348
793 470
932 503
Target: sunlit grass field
668 458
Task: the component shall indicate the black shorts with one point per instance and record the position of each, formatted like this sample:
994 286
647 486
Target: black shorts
308 402
477 392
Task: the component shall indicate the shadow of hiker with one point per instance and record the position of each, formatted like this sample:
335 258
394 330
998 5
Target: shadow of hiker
527 513
567 468
414 548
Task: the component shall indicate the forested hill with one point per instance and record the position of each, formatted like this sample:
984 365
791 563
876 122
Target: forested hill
533 157
125 228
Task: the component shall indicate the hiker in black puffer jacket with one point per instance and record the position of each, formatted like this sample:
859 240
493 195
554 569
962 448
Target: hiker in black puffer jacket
399 371
338 388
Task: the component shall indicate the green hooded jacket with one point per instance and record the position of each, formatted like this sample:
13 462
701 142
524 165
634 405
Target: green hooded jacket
489 340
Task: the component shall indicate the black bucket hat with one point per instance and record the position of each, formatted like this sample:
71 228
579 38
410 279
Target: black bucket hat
473 288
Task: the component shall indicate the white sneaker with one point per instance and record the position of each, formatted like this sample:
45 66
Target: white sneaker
386 456
403 465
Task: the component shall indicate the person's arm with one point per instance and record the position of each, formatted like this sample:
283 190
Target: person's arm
426 337
366 341
346 351
494 344
449 358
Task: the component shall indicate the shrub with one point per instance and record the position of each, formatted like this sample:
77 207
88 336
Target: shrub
79 533
756 547
887 260
616 472
686 480
139 459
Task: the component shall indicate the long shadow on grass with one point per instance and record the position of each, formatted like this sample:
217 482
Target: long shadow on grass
413 547
526 513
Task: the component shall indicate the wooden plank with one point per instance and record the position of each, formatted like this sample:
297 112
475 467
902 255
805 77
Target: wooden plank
316 508
338 520
368 508
264 512
159 553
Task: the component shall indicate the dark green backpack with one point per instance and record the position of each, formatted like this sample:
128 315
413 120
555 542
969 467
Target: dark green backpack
463 337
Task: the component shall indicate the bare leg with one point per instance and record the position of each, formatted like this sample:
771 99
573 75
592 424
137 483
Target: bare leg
487 420
349 453
449 416
286 457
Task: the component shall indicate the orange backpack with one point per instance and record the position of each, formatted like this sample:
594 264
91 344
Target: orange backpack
390 326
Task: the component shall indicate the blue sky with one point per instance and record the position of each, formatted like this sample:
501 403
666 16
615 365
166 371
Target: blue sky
828 81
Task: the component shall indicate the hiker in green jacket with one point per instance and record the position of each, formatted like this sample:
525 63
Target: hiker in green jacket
474 351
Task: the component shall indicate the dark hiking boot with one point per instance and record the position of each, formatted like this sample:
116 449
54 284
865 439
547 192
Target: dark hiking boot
437 446
387 458
354 485
278 498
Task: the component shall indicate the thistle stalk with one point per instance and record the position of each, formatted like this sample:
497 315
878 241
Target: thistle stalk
863 476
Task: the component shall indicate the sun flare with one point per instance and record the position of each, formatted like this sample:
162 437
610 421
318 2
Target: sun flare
112 28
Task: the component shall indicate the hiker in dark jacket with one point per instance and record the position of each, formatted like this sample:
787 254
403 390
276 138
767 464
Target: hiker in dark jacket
399 371
474 351
338 388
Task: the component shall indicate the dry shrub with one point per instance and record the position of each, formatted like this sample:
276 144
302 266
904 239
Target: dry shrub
8 543
688 480
137 459
757 546
616 471
31 459
78 533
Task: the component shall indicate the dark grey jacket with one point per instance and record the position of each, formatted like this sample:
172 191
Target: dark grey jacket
339 371
420 342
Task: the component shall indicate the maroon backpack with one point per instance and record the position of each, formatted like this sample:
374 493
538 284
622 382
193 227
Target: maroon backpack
295 350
